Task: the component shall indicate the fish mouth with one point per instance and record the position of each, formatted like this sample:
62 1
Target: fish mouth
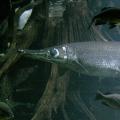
35 54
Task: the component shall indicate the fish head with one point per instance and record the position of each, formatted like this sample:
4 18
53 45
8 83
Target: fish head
57 54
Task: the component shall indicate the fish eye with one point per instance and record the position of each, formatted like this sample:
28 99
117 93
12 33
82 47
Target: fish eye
54 52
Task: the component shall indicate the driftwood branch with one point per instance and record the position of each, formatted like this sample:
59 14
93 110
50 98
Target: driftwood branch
22 40
54 96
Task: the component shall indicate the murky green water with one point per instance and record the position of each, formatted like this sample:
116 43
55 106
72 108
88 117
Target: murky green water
45 91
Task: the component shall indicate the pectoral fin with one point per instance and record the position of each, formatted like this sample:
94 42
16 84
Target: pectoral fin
104 103
107 93
100 22
111 26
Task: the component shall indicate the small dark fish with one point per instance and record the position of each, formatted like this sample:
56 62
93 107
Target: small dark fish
109 99
108 15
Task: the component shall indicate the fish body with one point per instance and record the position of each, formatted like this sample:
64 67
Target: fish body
108 15
110 100
90 58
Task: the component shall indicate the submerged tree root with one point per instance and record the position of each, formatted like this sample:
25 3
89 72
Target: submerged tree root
53 97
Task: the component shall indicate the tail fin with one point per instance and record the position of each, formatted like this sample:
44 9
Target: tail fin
99 95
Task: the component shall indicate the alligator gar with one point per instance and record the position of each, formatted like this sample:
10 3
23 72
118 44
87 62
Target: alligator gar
91 58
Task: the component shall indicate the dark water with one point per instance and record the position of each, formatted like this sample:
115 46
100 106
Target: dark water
75 96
